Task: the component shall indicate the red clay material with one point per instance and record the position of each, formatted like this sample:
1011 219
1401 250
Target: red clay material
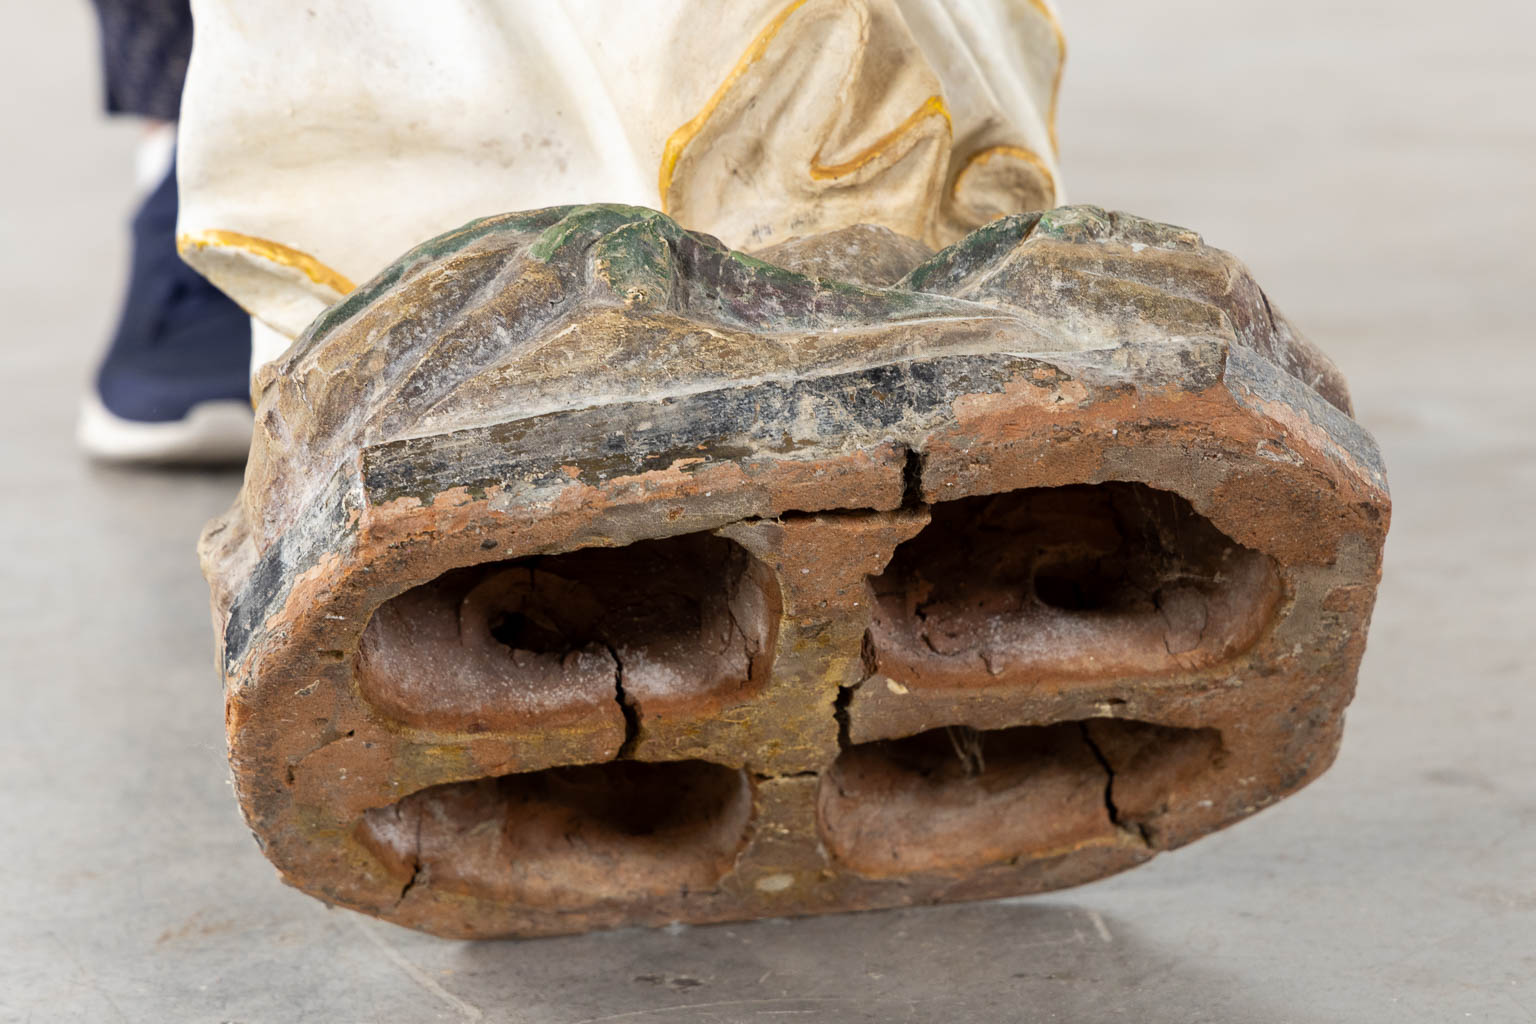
587 573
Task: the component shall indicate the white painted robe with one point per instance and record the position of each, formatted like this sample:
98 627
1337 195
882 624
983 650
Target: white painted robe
319 141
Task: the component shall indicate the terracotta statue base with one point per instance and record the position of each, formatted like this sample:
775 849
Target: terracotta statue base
588 573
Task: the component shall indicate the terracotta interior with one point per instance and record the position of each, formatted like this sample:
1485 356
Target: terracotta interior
1089 581
956 799
570 836
648 628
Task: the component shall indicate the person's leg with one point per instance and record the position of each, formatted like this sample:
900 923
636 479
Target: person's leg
173 385
145 45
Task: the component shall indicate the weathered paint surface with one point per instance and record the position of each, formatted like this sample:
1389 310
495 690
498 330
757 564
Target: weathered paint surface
720 503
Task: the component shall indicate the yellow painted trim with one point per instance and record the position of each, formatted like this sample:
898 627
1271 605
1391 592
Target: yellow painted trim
273 252
1049 15
932 106
678 140
981 156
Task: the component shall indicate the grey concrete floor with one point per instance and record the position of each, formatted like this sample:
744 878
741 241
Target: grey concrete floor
1374 164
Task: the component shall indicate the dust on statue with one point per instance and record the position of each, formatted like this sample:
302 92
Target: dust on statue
592 571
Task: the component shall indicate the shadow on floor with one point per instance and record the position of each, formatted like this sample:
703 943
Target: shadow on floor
999 961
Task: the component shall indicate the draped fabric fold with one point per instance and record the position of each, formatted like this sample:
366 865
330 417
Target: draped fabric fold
319 142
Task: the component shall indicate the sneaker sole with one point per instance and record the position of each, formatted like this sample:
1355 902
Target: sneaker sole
211 432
